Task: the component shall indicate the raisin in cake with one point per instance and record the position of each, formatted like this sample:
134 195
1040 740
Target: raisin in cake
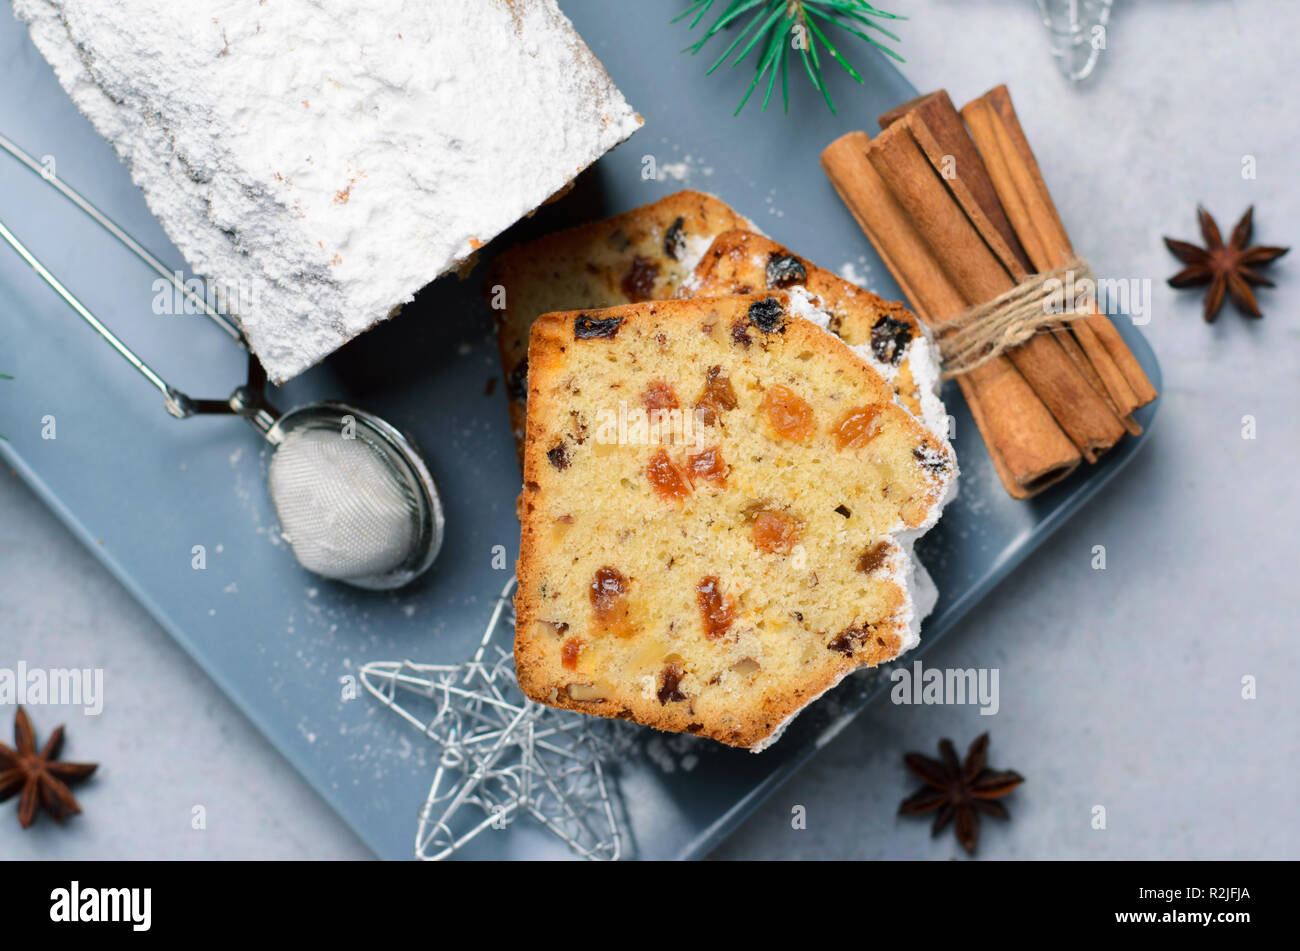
885 333
717 572
322 160
643 254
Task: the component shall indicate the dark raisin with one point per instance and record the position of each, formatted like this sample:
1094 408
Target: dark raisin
639 281
739 335
590 328
767 315
873 557
889 339
675 240
559 456
846 641
842 510
517 382
784 270
670 681
931 459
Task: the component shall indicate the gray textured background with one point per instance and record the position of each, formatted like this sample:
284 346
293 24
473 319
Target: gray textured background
1119 688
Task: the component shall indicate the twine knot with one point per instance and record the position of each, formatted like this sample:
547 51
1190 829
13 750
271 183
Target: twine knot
985 332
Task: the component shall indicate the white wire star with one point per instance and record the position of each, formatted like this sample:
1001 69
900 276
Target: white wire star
502 754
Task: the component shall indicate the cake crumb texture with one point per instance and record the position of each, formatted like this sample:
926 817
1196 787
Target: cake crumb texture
642 254
712 580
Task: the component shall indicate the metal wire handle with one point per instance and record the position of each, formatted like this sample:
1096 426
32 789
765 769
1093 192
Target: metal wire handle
248 401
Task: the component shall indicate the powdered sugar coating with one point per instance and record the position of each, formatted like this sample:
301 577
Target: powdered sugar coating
332 157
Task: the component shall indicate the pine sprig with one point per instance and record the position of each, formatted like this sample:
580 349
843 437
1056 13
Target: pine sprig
779 26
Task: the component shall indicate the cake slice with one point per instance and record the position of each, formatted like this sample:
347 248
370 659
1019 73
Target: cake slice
716 494
643 254
885 333
320 161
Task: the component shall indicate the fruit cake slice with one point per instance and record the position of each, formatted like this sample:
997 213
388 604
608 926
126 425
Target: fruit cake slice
713 491
643 254
885 333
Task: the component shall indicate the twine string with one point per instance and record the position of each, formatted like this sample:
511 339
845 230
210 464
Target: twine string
985 332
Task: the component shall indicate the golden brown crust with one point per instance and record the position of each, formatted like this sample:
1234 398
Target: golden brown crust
580 498
595 265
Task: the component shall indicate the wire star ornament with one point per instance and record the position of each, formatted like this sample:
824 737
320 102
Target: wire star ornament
503 756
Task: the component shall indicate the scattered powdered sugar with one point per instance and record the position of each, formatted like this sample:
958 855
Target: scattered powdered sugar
684 169
808 306
331 157
849 271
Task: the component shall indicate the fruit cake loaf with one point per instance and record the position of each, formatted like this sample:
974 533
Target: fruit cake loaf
643 254
717 572
323 160
885 333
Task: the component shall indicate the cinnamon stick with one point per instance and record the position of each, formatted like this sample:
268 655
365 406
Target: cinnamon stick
939 130
1019 184
938 116
981 275
1028 448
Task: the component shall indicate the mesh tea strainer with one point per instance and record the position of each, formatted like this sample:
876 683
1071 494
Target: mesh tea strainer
354 497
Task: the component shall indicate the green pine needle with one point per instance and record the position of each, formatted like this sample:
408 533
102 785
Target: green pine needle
771 31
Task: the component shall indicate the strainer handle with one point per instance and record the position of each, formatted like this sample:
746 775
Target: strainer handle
107 223
249 401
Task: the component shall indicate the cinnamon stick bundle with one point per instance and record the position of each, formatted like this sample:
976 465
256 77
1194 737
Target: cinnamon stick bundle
1029 450
996 130
960 218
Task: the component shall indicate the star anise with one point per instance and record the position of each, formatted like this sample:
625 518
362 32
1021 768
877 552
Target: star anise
42 780
1228 267
963 790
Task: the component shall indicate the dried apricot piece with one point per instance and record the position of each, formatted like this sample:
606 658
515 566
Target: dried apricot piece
857 427
717 610
789 415
717 398
665 478
569 653
708 466
774 532
609 602
659 395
